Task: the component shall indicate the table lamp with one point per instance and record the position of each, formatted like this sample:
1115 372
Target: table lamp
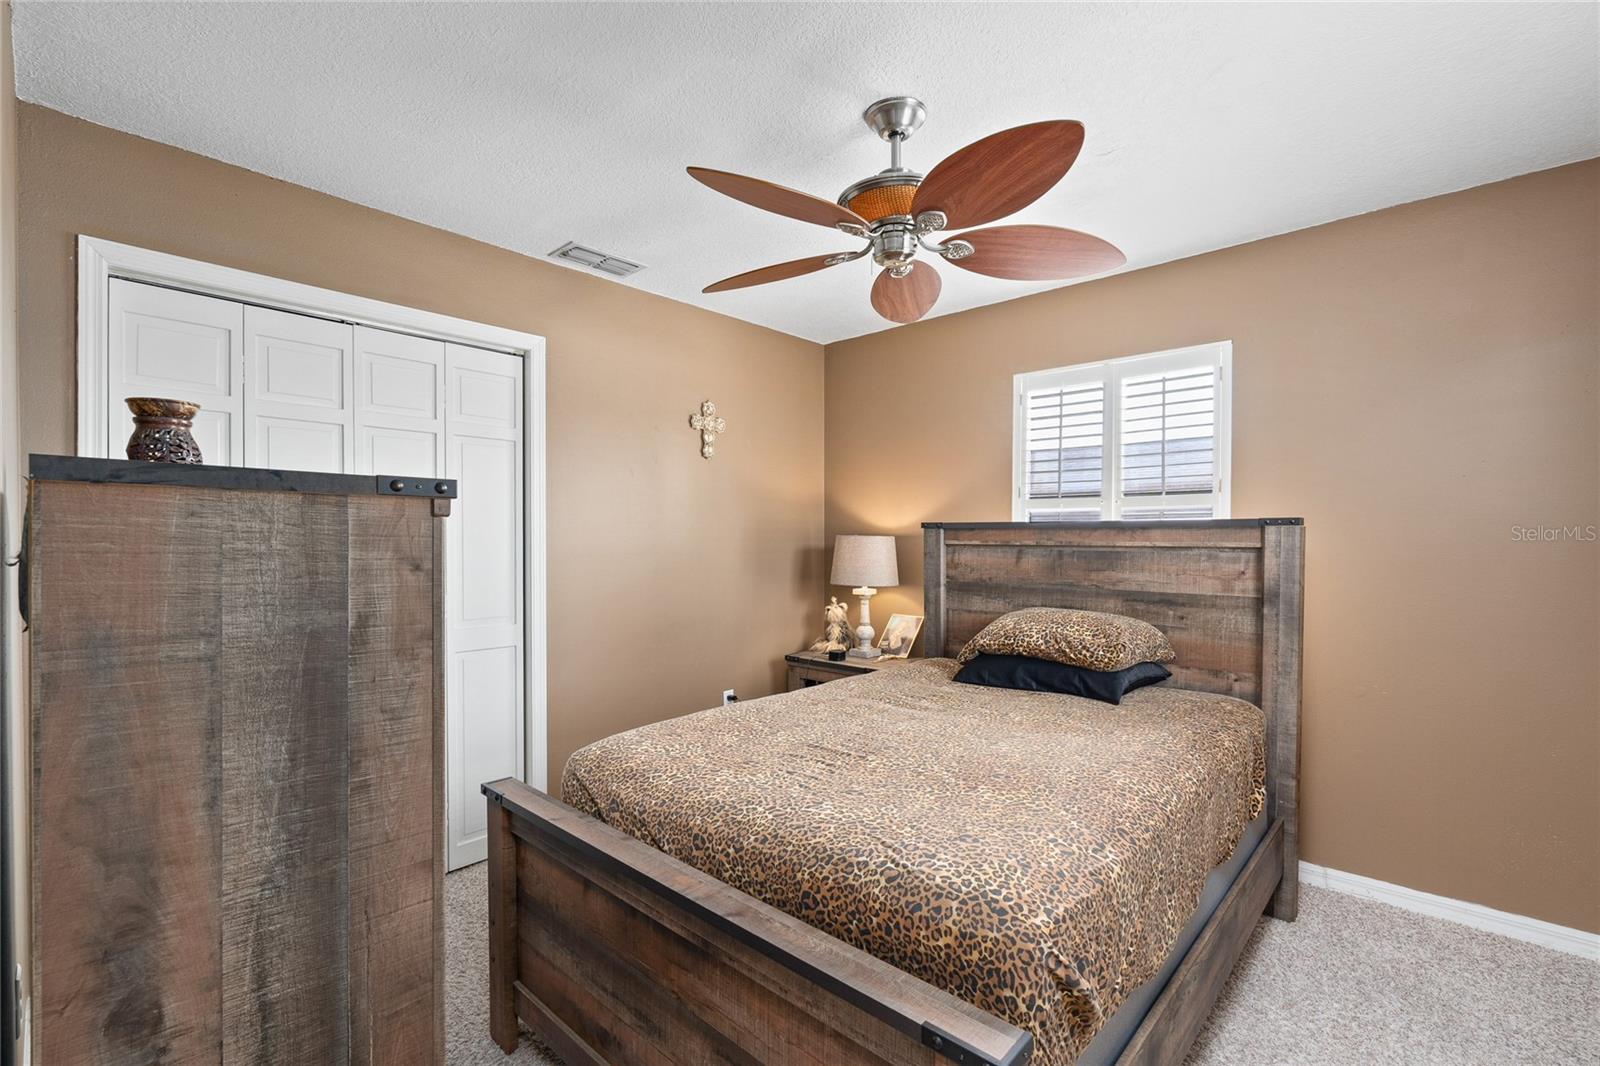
864 562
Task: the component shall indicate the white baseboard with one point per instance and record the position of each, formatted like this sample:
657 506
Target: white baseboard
1516 926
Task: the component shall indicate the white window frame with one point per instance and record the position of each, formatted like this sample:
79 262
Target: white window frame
1111 373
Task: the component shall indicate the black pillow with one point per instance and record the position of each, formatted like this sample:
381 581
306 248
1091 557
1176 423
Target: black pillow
1042 675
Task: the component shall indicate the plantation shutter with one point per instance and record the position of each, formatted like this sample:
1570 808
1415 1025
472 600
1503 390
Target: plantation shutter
1066 433
1141 439
1169 441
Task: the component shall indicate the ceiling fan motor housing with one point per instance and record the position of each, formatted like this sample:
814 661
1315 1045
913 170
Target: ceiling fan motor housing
886 194
884 201
894 244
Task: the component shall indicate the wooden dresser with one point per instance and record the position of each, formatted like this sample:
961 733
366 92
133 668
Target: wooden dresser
237 765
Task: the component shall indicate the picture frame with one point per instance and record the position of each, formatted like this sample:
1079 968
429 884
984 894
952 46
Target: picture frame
899 635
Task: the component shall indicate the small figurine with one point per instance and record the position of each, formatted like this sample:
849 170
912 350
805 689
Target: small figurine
836 633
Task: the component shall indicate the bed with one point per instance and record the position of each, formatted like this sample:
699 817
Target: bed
899 869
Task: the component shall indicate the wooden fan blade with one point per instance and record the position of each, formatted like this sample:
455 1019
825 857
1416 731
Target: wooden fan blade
1002 173
776 198
777 272
1036 253
909 298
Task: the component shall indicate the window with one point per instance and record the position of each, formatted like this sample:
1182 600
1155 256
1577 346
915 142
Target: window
1141 438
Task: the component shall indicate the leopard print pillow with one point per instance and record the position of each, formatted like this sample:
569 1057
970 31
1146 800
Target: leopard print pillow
1088 639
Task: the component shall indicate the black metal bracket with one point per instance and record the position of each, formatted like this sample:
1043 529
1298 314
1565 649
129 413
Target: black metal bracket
442 488
965 1055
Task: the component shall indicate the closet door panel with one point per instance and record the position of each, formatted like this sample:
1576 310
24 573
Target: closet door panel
400 386
484 396
485 583
407 452
491 561
400 410
299 387
486 745
293 372
299 444
180 346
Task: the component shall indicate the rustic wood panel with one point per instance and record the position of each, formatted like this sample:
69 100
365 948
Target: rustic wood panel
768 982
238 723
395 958
285 625
579 943
556 1034
742 973
1205 636
503 934
697 1004
1284 553
126 791
1222 572
935 624
1175 1018
644 987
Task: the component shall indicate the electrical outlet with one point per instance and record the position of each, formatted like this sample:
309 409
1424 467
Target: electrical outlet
729 696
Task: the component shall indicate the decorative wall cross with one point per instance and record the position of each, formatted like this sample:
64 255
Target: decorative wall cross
709 426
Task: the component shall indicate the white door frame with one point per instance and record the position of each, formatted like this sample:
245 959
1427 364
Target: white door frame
100 260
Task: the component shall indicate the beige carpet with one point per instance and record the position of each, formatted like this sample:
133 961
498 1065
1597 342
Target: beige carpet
1351 982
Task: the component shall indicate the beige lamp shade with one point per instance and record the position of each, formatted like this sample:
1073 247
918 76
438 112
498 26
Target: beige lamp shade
866 561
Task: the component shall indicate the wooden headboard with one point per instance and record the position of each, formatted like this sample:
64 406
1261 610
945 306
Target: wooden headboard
1227 593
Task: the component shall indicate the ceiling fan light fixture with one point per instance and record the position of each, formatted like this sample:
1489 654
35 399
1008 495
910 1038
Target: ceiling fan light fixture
894 245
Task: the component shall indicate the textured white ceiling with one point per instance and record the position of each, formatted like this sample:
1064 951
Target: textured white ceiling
530 125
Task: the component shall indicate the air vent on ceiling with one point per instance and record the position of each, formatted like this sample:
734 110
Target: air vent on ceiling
573 252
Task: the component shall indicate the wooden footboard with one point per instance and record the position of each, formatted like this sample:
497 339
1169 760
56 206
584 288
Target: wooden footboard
616 953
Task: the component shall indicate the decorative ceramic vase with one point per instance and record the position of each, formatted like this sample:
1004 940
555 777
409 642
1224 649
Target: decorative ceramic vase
161 430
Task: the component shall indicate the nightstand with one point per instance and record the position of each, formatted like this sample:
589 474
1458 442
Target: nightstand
807 668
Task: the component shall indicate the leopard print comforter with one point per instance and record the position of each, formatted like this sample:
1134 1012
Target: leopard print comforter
1033 854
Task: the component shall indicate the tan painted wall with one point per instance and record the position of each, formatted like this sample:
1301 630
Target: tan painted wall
1413 382
671 578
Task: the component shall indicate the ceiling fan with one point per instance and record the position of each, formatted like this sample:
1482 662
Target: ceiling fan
897 210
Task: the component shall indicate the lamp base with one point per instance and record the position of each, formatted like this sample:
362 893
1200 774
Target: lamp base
864 631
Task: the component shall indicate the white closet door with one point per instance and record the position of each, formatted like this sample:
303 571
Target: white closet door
299 377
179 346
399 409
484 583
290 391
